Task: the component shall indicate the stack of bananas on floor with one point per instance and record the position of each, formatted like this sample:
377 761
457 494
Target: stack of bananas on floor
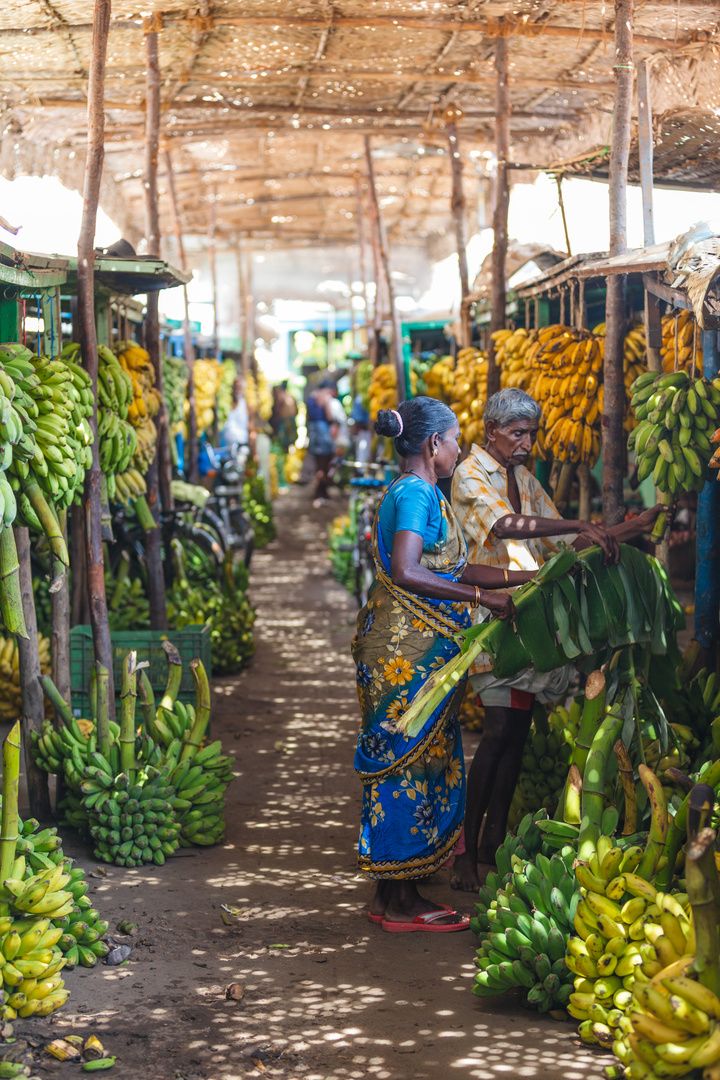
83 928
10 692
672 441
545 762
142 409
511 356
439 379
131 822
567 384
207 376
469 394
523 919
32 961
681 338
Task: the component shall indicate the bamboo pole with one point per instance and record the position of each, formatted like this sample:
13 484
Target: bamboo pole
192 436
362 246
500 210
159 476
10 789
613 436
60 631
33 703
88 334
458 207
244 303
385 258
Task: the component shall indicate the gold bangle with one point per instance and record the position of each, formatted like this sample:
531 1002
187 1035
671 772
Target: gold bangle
507 576
478 599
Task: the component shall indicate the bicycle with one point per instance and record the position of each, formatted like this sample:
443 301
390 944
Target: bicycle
224 511
366 492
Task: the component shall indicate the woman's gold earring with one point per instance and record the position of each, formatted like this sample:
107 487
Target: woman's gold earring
435 452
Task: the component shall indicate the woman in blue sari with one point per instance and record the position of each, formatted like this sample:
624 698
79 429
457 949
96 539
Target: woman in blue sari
414 788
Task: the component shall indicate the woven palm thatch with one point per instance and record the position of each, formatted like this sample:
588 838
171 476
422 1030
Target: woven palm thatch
265 103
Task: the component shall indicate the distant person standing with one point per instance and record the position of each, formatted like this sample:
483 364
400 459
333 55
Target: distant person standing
322 429
236 431
283 417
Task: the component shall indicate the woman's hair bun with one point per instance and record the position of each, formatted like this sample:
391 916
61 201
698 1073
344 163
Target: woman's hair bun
387 423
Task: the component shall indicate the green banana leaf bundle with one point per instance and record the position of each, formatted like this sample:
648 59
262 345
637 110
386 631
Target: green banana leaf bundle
562 616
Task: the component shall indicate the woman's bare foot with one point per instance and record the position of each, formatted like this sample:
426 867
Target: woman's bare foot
379 902
464 874
405 904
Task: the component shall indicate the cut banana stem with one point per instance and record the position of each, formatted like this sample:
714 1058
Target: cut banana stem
592 714
174 676
147 704
55 698
593 792
628 785
128 697
202 709
703 886
9 820
102 677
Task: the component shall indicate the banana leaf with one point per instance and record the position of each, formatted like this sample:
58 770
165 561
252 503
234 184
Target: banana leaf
561 617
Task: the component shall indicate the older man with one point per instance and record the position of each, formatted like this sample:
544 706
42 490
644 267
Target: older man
509 521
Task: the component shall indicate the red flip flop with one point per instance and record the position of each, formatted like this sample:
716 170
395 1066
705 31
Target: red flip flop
376 919
426 921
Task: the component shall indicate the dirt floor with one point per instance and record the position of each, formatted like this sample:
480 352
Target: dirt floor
325 995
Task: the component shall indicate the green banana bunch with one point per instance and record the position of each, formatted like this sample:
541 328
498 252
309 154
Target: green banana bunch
200 784
545 762
175 388
523 919
131 824
258 506
672 442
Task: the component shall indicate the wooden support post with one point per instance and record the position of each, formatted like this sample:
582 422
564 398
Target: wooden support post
613 434
398 355
212 228
88 337
379 297
159 476
458 206
242 300
192 449
33 702
249 361
80 609
500 210
653 332
362 245
60 629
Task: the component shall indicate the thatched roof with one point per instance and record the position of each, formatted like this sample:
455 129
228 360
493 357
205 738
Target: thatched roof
265 103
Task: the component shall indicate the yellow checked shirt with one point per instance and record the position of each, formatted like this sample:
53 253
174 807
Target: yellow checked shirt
479 499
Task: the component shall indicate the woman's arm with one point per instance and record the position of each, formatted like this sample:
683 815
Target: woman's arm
493 577
407 571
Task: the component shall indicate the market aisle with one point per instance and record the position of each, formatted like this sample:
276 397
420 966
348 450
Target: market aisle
326 995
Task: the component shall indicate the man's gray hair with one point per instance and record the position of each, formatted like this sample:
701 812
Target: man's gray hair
509 405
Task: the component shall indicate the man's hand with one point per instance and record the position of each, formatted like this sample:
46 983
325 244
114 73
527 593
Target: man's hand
500 604
597 535
645 522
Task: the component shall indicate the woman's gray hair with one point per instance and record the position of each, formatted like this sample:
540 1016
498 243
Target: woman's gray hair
511 404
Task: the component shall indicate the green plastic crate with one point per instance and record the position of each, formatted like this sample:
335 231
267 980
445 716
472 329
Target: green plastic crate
191 641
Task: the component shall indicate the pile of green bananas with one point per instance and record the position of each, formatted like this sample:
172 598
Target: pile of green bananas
545 761
672 442
523 919
175 389
83 928
116 435
258 506
131 823
342 533
199 802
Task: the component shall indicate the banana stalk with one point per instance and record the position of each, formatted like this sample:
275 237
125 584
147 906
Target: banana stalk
701 874
202 710
147 703
658 823
593 791
93 696
51 528
102 679
128 697
571 800
10 783
174 676
628 784
592 714
677 830
120 581
55 698
144 514
11 607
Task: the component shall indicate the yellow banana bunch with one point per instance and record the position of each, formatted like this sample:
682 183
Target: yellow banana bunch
208 375
469 394
439 379
680 339
382 391
512 347
293 464
10 695
566 382
259 395
225 393
146 400
634 364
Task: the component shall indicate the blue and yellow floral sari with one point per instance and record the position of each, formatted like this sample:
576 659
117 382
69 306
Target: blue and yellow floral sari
414 788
